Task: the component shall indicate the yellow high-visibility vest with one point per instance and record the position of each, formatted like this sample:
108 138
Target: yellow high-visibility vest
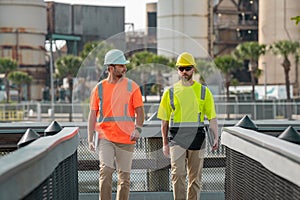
186 106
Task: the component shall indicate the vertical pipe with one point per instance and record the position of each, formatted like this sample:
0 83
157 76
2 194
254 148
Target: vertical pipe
274 110
265 78
17 46
39 112
51 79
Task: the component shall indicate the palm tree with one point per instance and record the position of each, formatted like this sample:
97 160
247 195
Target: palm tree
251 51
285 48
227 64
7 65
146 63
67 67
205 68
19 78
93 54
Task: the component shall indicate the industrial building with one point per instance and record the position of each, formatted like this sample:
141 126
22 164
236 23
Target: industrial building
216 27
275 24
208 28
23 27
26 25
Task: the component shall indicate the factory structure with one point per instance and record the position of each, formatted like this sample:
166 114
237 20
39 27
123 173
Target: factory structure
207 28
27 26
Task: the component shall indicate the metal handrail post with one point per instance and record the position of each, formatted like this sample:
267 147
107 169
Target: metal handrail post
39 112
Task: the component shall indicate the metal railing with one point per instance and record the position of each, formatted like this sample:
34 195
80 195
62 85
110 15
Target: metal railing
78 112
260 166
44 169
150 171
11 115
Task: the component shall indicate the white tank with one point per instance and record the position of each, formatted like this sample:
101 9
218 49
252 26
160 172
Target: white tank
182 26
23 26
275 24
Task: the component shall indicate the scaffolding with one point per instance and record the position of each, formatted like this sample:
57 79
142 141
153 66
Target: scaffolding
234 22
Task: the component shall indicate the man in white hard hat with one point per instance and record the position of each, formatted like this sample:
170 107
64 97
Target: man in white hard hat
117 115
182 110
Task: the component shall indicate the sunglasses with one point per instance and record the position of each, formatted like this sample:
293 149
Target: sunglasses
185 68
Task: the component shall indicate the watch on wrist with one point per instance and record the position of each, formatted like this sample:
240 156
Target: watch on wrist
138 129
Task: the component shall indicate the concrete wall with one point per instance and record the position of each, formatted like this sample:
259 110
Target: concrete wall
275 24
182 26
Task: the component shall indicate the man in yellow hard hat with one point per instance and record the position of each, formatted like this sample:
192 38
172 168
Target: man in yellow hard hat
117 115
182 110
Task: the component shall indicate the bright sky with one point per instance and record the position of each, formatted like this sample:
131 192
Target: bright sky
135 10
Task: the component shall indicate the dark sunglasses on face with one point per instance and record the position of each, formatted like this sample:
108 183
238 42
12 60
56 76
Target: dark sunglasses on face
185 68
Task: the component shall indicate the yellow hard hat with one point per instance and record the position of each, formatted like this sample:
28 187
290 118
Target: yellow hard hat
185 59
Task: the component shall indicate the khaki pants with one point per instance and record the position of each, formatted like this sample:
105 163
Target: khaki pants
186 163
114 156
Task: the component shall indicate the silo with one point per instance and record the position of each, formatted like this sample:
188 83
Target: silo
182 25
275 24
22 37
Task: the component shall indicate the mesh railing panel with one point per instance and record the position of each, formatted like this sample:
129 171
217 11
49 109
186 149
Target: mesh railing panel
248 179
151 169
61 184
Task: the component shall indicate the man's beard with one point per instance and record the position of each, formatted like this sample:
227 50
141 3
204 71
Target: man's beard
119 74
185 78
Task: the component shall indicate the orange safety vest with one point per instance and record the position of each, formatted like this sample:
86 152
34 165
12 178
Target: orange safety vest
124 117
116 116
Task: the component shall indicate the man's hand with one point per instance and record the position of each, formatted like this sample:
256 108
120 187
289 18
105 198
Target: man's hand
216 144
135 135
166 150
92 146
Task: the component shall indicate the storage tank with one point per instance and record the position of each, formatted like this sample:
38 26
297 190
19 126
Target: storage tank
275 24
22 37
182 26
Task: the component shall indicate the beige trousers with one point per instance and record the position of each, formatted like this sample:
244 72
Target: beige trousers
186 163
114 156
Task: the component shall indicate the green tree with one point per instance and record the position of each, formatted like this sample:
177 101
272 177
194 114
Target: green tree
144 64
67 67
19 78
96 49
285 48
205 68
7 65
227 64
251 51
93 52
297 19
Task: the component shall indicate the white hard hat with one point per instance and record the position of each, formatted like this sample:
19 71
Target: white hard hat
115 56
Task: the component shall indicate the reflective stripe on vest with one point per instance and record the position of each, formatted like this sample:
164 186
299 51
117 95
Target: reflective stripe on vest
186 124
116 118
